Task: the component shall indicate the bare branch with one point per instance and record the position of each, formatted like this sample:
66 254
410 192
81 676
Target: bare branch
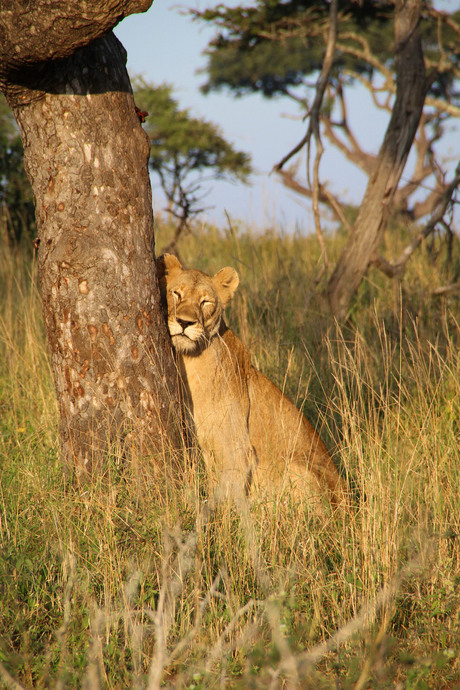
366 615
397 268
389 85
8 680
443 106
389 269
313 126
446 289
365 53
313 115
353 152
437 217
374 90
324 195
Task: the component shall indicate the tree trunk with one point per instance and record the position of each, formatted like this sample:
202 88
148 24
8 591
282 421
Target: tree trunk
86 155
376 205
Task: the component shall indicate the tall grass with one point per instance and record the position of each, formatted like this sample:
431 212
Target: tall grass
128 583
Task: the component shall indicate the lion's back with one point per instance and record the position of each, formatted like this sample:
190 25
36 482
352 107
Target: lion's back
288 449
278 430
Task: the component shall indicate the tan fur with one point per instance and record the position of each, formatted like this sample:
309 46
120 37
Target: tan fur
249 432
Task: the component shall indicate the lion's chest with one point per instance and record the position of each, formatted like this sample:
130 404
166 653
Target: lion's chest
215 395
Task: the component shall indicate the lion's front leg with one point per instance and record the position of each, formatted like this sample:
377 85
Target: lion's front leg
227 451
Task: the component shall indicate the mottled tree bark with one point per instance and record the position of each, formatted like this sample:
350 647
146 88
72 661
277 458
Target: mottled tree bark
376 205
86 155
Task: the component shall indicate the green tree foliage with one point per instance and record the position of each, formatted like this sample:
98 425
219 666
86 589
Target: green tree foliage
186 151
271 46
17 217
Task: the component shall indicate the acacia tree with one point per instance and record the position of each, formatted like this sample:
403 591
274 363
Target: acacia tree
404 52
63 73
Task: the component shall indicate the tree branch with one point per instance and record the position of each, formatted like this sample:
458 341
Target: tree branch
324 195
313 125
443 204
397 268
313 115
446 289
31 35
352 151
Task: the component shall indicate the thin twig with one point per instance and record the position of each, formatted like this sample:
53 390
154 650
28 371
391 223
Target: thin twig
186 641
313 115
315 205
314 129
8 680
173 576
446 289
217 650
397 268
272 607
173 580
362 621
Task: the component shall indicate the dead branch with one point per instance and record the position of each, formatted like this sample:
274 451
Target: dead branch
389 269
446 289
8 680
177 562
366 616
216 652
397 268
365 53
313 115
444 201
373 90
352 152
324 195
313 126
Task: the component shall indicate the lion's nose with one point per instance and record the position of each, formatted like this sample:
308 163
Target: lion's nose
185 322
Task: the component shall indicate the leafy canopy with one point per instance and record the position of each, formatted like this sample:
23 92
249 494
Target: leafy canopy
270 46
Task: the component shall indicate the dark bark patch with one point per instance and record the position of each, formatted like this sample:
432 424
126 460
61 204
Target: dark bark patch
78 391
107 331
84 368
83 287
92 330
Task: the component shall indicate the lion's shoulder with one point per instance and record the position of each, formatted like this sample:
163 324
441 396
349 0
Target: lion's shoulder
239 354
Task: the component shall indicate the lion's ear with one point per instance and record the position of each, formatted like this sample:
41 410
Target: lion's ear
226 282
167 266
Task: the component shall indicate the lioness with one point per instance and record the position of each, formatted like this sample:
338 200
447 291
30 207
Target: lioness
248 431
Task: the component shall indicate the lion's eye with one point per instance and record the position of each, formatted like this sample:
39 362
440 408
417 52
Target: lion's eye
205 302
177 296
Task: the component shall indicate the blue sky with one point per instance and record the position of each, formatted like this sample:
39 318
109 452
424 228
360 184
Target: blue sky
164 45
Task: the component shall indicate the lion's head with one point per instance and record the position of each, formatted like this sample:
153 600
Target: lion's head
195 302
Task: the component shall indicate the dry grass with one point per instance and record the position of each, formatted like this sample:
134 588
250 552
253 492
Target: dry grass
126 583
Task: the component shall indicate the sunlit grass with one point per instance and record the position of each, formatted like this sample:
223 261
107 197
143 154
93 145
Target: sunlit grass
126 583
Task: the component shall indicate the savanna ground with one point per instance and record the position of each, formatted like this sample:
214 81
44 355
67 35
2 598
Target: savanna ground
134 583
